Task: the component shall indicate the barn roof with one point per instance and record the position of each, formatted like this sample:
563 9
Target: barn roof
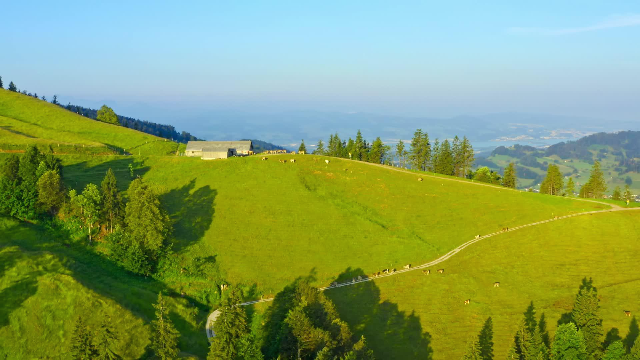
214 146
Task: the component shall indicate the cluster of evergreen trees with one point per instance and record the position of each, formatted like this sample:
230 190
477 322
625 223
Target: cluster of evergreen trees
106 114
88 344
449 158
358 149
595 187
302 324
31 187
580 335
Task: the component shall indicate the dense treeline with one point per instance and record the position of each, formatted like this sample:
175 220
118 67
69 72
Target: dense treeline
260 146
159 130
136 231
453 158
595 187
106 114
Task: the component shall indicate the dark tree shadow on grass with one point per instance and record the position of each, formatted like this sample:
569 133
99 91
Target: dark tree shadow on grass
14 295
134 293
391 333
612 336
632 335
191 212
77 176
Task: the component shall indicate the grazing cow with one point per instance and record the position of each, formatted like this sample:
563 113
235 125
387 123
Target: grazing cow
293 160
440 271
420 179
505 229
496 284
264 158
426 272
628 313
555 218
326 162
477 236
385 271
467 302
408 266
393 270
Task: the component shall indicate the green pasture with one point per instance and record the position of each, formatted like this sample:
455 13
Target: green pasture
267 223
412 315
25 120
46 285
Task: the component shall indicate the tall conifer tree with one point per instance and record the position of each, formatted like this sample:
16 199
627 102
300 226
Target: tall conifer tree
510 177
111 199
586 316
230 327
164 338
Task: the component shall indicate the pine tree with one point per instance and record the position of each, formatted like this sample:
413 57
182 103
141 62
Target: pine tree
50 191
552 183
106 114
510 178
111 199
570 188
585 315
230 327
634 352
106 342
359 146
617 194
164 340
82 347
467 155
596 186
456 151
416 155
627 194
12 87
302 149
485 340
445 159
425 151
1 84
435 156
615 351
147 222
319 148
377 152
473 351
569 343
400 153
55 100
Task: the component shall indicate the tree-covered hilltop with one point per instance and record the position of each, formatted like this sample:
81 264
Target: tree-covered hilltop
260 146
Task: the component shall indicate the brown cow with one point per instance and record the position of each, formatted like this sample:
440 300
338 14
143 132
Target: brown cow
467 302
628 313
264 158
496 284
441 271
419 179
426 272
408 266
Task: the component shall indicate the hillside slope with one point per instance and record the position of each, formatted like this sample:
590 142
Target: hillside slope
412 315
26 120
268 223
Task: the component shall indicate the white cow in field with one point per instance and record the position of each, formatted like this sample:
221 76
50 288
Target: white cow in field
327 162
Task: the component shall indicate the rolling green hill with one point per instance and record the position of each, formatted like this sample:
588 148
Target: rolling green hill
263 224
618 153
25 120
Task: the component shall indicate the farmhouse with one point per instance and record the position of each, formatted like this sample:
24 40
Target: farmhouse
209 150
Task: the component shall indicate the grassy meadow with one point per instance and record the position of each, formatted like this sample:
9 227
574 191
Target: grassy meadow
46 285
25 120
413 315
267 223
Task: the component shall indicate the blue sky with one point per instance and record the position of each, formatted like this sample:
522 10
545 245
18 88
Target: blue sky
422 58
